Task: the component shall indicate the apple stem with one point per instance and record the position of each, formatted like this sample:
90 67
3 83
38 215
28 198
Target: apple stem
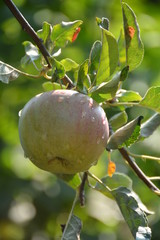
81 189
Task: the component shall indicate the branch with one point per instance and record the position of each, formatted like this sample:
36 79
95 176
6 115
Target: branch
138 171
144 157
27 27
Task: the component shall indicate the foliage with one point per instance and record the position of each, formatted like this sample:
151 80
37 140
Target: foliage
102 76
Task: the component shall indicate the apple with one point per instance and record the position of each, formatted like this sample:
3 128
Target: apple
63 131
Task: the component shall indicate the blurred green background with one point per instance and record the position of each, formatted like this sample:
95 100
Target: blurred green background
34 203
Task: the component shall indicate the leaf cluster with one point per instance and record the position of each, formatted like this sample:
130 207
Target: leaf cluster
101 76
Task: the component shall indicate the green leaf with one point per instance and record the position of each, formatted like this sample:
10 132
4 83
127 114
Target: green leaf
124 73
128 96
103 23
50 86
126 135
58 70
72 180
69 64
144 233
131 211
134 45
64 32
45 33
107 90
121 49
118 120
94 59
8 73
117 180
32 53
83 82
152 99
72 229
150 126
108 58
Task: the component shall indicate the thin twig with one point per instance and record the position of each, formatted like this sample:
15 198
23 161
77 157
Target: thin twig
156 178
98 180
27 27
138 171
144 157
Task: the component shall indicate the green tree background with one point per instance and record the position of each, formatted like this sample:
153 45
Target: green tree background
34 203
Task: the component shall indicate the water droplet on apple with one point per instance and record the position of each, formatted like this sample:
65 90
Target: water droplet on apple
103 136
82 101
83 114
93 119
60 99
90 102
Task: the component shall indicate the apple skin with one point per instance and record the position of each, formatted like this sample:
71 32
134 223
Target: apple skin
63 131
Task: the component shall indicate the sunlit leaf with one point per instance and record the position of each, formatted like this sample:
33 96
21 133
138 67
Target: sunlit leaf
45 33
8 73
49 86
83 82
94 59
108 58
58 70
69 64
134 45
144 233
152 99
126 135
128 96
32 53
132 213
121 49
118 120
117 180
124 73
107 90
150 126
72 229
64 32
103 23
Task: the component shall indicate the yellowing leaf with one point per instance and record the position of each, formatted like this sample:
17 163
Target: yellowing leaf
111 168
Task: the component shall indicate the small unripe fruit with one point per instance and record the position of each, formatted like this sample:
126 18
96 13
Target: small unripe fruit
63 131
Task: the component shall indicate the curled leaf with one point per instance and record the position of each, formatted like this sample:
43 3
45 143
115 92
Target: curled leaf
126 135
7 73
